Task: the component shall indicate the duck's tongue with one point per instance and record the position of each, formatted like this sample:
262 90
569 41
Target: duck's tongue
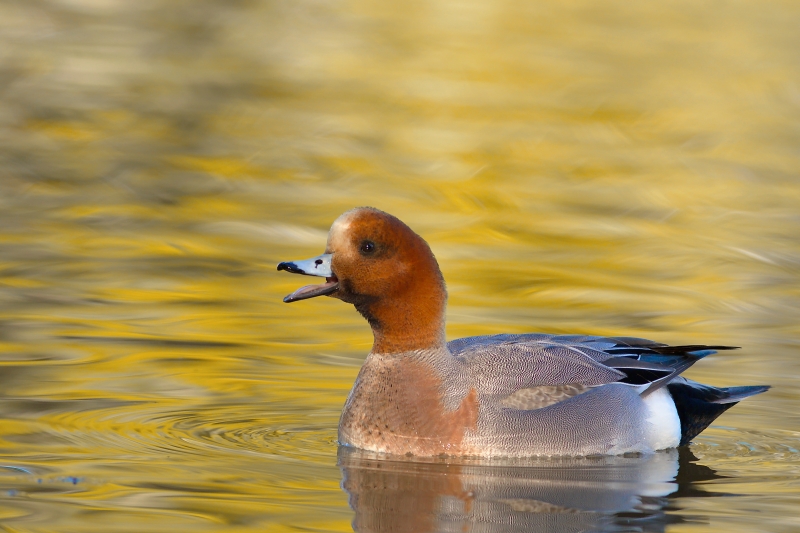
316 266
310 291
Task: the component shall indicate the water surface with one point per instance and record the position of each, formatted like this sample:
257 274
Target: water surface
576 168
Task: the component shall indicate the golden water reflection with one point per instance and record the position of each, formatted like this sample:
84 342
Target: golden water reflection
615 168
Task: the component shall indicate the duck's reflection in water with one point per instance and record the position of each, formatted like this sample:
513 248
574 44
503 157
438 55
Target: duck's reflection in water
619 493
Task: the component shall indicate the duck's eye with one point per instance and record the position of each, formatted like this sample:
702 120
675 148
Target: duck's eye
367 247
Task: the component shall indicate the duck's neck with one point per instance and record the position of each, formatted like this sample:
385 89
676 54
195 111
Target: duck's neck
412 321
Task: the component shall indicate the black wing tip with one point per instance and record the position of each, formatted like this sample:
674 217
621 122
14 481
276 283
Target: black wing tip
723 347
700 350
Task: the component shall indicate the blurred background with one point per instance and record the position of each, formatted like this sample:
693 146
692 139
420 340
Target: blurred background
616 168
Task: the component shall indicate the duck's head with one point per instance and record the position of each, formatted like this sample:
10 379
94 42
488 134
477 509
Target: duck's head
377 263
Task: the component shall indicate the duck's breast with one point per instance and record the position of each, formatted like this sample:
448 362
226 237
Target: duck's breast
402 405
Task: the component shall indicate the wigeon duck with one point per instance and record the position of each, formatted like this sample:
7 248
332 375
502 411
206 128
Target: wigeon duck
496 395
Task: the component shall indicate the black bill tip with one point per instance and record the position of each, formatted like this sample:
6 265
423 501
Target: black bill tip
290 267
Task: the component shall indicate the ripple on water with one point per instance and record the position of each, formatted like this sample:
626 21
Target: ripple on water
748 456
233 429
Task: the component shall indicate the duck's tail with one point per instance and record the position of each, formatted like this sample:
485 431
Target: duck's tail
698 405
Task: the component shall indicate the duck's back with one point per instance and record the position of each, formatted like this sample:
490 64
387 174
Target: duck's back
579 395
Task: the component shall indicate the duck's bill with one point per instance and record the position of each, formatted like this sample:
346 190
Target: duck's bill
316 266
310 291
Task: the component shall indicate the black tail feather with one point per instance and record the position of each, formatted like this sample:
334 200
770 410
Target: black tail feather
699 405
736 394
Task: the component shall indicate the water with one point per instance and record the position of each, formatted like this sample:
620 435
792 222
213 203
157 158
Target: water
617 169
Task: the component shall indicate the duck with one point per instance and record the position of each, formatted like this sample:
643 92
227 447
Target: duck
506 395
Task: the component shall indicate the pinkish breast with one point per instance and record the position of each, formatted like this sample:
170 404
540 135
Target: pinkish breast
396 406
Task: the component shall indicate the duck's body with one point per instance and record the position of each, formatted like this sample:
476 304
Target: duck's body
502 395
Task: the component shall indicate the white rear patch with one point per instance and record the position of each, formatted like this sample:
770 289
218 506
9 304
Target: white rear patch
663 425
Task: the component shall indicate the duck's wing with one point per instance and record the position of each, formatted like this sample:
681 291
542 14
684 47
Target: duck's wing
644 361
532 371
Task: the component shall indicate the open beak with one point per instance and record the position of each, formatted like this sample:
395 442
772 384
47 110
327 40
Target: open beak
316 266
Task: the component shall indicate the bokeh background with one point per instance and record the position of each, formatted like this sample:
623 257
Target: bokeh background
578 167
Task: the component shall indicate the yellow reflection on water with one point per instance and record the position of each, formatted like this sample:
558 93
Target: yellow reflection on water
582 168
